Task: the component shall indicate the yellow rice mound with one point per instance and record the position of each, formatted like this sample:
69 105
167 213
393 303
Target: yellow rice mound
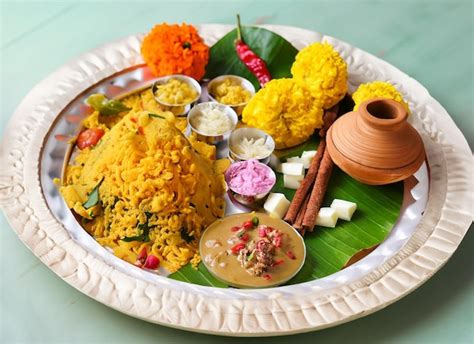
150 174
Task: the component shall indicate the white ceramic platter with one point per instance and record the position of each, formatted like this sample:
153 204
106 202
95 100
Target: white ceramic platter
429 229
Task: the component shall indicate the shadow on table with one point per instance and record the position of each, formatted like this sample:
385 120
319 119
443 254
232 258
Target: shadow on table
415 310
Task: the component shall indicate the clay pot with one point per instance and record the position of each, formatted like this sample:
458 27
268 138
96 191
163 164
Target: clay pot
375 144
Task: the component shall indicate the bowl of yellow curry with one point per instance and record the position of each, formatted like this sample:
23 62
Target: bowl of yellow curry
177 91
231 90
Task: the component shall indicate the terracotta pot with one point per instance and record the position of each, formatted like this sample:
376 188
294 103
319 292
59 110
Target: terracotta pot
375 144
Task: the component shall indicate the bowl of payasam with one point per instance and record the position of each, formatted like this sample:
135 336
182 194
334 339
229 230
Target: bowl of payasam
252 250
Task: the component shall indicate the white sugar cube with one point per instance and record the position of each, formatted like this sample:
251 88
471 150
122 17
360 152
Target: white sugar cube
327 217
306 158
276 205
294 159
292 182
292 168
344 209
306 162
308 154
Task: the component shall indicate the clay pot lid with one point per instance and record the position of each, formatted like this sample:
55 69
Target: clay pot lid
375 144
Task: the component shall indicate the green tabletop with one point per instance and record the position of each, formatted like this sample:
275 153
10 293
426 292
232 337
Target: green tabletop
431 41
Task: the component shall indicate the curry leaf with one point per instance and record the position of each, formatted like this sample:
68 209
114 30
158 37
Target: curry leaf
93 197
106 107
144 237
154 115
145 231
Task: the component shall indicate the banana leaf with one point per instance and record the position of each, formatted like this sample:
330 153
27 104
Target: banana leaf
328 249
277 52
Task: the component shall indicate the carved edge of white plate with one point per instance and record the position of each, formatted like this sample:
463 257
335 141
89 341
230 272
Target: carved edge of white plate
445 222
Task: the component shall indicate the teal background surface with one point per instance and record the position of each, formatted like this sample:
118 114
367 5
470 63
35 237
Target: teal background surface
430 40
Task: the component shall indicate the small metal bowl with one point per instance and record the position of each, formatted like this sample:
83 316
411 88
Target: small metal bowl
212 139
186 106
247 199
251 133
247 85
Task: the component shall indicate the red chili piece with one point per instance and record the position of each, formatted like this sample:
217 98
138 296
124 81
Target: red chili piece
236 248
245 237
252 61
151 262
141 258
89 137
142 255
291 255
277 241
267 276
278 262
248 224
235 229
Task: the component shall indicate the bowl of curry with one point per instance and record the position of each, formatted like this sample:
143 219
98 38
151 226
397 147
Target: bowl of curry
252 250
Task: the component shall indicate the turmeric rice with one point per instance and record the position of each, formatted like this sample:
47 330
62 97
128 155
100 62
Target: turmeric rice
156 189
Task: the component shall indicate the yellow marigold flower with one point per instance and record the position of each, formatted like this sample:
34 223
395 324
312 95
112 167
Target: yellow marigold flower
323 71
377 89
285 110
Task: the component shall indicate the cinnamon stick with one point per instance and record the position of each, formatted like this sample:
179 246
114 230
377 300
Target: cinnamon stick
298 223
318 192
297 203
330 115
305 185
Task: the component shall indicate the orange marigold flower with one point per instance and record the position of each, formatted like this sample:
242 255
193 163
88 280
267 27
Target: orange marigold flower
175 49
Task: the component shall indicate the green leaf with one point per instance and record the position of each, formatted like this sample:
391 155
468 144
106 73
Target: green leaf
200 276
144 237
329 249
105 106
144 229
154 115
94 197
277 52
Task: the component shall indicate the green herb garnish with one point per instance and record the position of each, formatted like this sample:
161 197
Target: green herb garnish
154 115
255 221
106 107
186 45
145 231
93 197
145 236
